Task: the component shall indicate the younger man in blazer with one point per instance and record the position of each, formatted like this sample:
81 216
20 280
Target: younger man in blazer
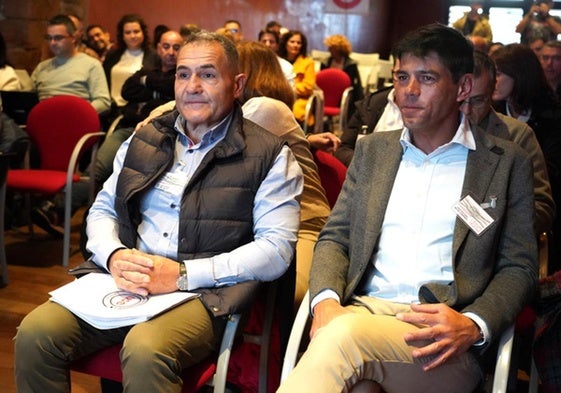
430 252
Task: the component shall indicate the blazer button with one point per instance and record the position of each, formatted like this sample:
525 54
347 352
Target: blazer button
215 309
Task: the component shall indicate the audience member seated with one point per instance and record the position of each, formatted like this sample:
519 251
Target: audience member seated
234 27
340 49
69 71
405 294
536 44
187 29
158 31
376 112
99 39
9 80
294 48
80 38
133 51
479 110
276 26
522 92
494 46
243 177
538 22
144 90
266 100
550 58
475 23
271 39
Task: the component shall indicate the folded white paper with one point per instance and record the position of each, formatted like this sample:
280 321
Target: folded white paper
96 299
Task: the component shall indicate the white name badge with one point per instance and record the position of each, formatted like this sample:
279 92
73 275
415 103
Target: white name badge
172 183
473 215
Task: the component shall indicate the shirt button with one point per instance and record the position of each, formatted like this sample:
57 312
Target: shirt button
173 205
166 234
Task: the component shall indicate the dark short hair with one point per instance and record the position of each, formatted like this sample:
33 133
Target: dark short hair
233 21
272 23
93 26
553 44
453 49
227 45
62 19
3 52
481 63
271 32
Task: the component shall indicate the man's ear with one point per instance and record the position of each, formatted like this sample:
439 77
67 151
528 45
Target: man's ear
464 87
239 84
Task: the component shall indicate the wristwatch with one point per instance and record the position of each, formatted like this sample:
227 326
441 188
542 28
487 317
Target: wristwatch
182 279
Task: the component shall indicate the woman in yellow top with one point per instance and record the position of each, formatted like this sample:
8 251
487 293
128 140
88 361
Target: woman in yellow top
294 48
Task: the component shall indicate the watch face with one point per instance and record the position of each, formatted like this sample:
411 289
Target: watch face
182 283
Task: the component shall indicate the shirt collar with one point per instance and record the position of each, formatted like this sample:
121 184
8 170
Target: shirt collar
463 136
217 132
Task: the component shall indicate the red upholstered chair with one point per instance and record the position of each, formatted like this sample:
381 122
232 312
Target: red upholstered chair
332 174
61 128
253 363
106 364
336 86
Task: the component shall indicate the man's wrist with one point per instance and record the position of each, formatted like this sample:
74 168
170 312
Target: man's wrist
182 279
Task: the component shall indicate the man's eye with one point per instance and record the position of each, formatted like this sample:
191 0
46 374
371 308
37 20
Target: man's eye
428 79
207 75
182 75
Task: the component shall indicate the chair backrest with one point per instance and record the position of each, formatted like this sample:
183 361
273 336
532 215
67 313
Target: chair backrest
365 59
333 82
56 124
332 174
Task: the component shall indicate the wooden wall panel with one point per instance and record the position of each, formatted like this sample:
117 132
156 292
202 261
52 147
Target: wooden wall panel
367 33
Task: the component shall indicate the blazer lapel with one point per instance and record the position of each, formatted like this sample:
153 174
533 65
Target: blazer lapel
387 155
480 169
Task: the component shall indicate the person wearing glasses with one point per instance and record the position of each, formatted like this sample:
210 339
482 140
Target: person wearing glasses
479 110
234 27
522 92
70 72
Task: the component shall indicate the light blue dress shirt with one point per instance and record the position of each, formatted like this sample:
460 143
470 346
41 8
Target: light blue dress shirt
415 245
276 215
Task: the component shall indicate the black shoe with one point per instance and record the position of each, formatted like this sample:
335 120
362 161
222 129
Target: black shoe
46 218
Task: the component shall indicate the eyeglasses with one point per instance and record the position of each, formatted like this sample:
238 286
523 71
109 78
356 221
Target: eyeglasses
476 101
546 58
55 38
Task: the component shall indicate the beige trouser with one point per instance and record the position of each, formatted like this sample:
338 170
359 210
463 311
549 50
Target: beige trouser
153 355
361 345
304 253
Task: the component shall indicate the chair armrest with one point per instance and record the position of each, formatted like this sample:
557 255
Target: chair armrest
219 381
298 327
502 366
76 154
345 103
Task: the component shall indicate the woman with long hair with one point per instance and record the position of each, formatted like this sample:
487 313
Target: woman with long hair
132 52
267 99
522 91
294 48
8 77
